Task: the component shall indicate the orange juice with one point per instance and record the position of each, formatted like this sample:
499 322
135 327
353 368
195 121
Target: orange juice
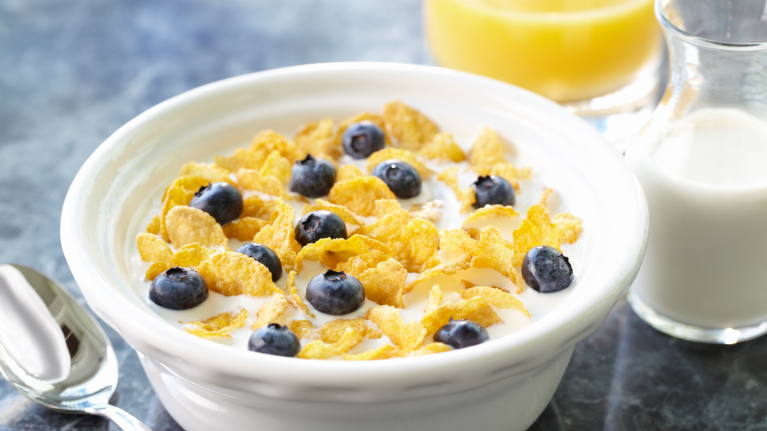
566 50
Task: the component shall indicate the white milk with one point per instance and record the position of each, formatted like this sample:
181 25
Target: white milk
706 187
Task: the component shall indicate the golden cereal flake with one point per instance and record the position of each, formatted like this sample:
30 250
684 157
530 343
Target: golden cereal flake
332 252
186 225
293 295
547 192
446 268
152 249
254 206
434 299
341 211
536 229
191 255
431 349
458 243
320 350
242 158
443 148
316 138
413 243
251 179
156 269
333 331
233 274
475 309
303 329
211 172
276 166
362 116
387 351
280 236
486 151
269 140
503 211
271 312
244 229
179 193
495 297
407 337
431 211
218 326
411 128
397 153
359 194
347 172
494 252
154 226
569 227
507 171
465 196
385 284
384 207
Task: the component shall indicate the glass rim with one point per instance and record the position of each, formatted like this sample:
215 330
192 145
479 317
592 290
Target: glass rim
700 41
561 16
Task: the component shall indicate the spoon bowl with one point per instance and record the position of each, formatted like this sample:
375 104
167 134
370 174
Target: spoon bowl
93 372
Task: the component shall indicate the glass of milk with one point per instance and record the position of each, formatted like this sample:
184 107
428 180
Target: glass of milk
702 161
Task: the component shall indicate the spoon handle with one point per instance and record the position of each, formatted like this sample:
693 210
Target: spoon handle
119 417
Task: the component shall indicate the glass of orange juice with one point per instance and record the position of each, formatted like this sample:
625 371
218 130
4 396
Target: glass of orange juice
594 56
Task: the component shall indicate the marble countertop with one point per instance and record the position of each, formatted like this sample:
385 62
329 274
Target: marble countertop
72 72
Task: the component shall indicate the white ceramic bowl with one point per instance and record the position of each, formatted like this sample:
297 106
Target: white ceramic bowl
500 385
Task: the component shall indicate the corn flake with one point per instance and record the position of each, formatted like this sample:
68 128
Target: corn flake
434 299
303 329
413 243
271 312
210 172
536 229
411 128
191 255
431 210
269 140
251 179
254 206
245 228
359 194
387 351
316 138
494 252
443 147
445 268
154 226
280 236
332 252
333 331
347 172
397 153
458 244
490 211
276 166
233 274
320 350
507 171
218 326
384 284
569 227
186 225
341 211
179 193
152 249
293 295
486 151
431 349
495 297
407 337
475 309
156 269
465 196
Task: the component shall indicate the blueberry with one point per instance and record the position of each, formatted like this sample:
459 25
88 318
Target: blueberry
274 339
403 180
461 333
363 139
265 256
221 200
492 190
312 177
319 224
178 289
546 269
335 293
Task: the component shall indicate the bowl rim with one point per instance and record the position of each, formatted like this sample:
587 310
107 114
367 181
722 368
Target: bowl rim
554 335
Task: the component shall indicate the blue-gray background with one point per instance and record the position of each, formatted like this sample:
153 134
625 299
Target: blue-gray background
72 72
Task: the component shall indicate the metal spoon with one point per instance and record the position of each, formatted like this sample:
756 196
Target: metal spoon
92 376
